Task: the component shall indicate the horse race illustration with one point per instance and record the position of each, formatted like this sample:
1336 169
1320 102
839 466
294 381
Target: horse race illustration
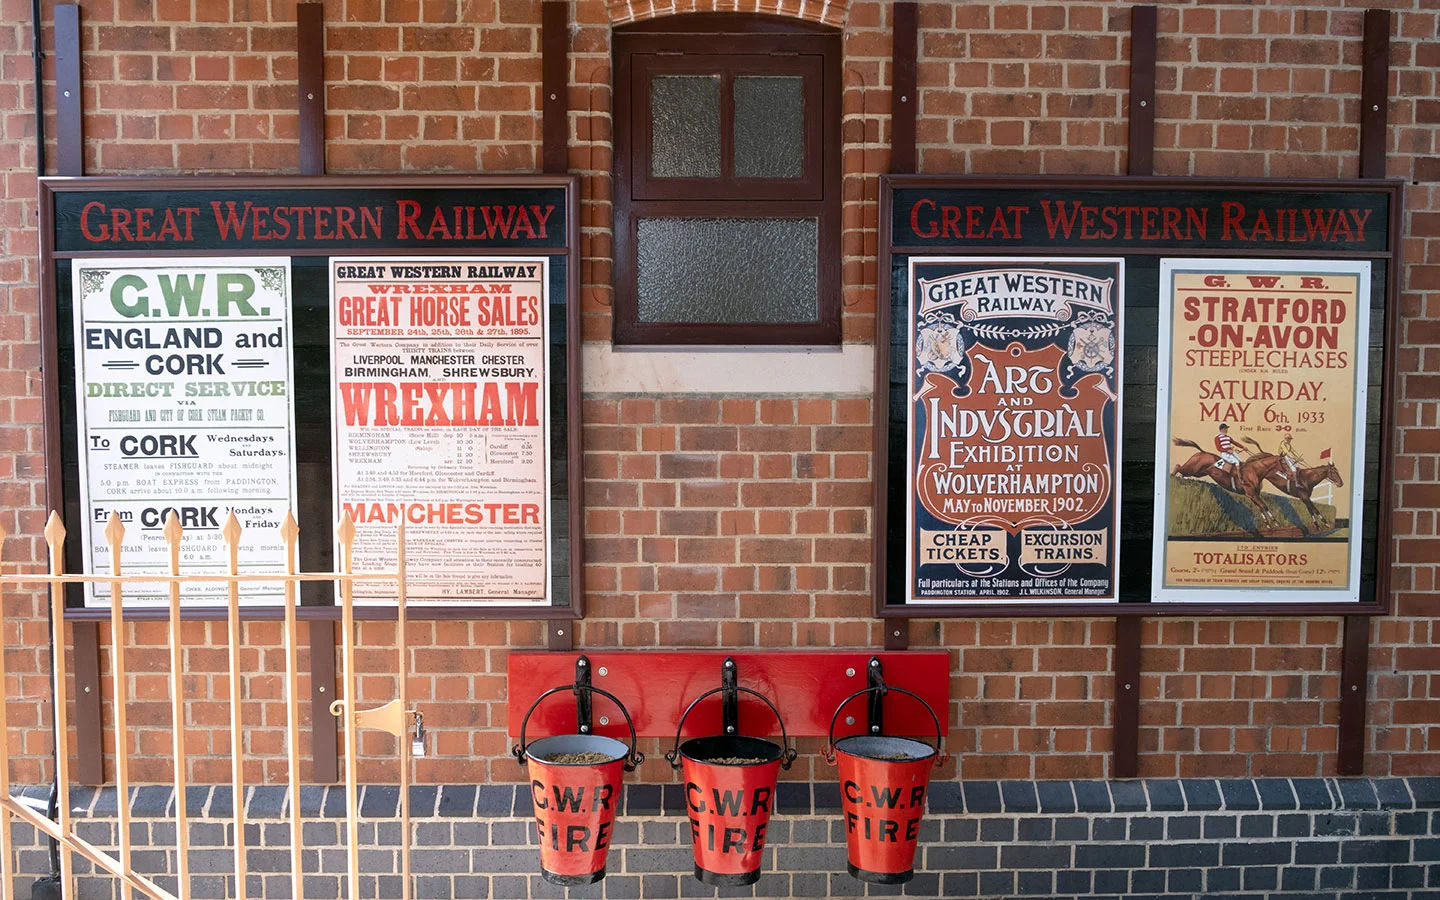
1271 512
1260 444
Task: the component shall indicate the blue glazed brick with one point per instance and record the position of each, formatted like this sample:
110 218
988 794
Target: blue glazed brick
1297 878
957 830
1034 884
1262 878
1426 791
150 800
1407 876
1313 793
1147 828
1375 852
1165 795
1111 881
1055 797
492 800
924 884
1336 824
981 797
422 800
1337 877
672 799
1175 856
1185 881
827 797
1092 796
1072 881
792 798
1260 826
1357 793
1027 856
1373 824
961 884
1129 796
459 800
1218 880
642 800
996 830
380 801
1316 853
1187 828
1147 881
1412 823
1109 829
1037 828
1239 793
961 857
1257 853
1072 828
1220 826
1292 825
945 797
992 883
1200 794
1019 796
1276 793
1392 793
1372 878
1109 856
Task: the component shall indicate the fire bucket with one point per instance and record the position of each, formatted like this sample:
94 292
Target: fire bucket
729 795
883 781
575 786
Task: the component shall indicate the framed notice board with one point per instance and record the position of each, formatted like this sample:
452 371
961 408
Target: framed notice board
398 349
1099 396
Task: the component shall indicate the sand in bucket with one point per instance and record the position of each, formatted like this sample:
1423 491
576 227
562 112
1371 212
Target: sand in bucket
575 786
730 794
883 781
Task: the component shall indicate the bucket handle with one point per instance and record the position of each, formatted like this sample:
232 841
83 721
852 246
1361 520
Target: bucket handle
633 759
829 749
788 754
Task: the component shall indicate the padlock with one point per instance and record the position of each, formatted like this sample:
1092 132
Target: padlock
417 742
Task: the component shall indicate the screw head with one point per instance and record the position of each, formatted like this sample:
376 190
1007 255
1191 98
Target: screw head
1144 103
1127 686
729 663
67 93
874 729
584 729
322 688
582 661
309 96
552 96
904 99
560 632
896 633
849 673
604 720
603 671
729 729
1376 107
849 720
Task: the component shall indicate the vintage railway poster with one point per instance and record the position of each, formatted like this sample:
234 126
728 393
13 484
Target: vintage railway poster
1260 430
442 421
183 387
1013 450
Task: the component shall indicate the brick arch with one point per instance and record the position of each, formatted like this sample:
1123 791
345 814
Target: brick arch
824 12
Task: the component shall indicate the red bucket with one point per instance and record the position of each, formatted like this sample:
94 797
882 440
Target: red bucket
729 796
575 787
883 781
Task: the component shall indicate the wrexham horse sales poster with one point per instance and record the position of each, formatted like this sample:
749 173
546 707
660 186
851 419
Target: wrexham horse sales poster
184 403
1260 429
1013 450
441 386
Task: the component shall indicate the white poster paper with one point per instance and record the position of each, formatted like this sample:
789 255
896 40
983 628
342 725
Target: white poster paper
183 398
440 383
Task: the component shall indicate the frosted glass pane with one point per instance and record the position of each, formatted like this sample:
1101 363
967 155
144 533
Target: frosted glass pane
685 126
769 126
728 270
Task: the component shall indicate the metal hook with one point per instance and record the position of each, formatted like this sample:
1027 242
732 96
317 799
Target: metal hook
877 698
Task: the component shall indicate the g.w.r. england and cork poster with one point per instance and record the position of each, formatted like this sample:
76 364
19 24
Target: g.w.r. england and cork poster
183 400
1013 429
442 422
1260 429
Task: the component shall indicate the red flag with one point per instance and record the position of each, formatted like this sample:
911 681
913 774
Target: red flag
1325 454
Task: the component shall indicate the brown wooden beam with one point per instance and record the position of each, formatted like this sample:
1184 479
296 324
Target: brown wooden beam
310 53
1142 90
1125 718
324 727
554 86
904 99
89 733
1374 93
69 111
560 634
1354 680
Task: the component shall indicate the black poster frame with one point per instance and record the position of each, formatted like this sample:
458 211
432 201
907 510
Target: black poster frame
567 569
890 538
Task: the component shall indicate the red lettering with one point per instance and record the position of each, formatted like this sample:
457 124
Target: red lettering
104 233
1234 215
933 231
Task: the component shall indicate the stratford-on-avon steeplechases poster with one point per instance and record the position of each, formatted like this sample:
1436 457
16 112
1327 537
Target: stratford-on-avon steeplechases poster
1260 422
1013 446
183 395
441 393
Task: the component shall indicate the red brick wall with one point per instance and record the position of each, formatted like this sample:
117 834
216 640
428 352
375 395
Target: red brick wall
732 520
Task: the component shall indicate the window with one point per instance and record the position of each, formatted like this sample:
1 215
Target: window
727 181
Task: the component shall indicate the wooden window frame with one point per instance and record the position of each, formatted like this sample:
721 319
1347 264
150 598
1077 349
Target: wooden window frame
720 42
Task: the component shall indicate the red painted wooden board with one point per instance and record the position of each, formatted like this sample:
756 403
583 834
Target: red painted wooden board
656 686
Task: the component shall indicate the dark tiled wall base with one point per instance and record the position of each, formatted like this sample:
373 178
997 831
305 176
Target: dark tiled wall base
1301 838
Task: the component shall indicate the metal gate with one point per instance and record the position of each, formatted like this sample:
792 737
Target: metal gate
394 717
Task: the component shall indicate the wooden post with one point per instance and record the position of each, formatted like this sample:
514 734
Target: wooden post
554 84
904 95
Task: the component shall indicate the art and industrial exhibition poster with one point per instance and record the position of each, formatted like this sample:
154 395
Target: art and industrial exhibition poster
1260 429
183 399
441 394
1013 430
